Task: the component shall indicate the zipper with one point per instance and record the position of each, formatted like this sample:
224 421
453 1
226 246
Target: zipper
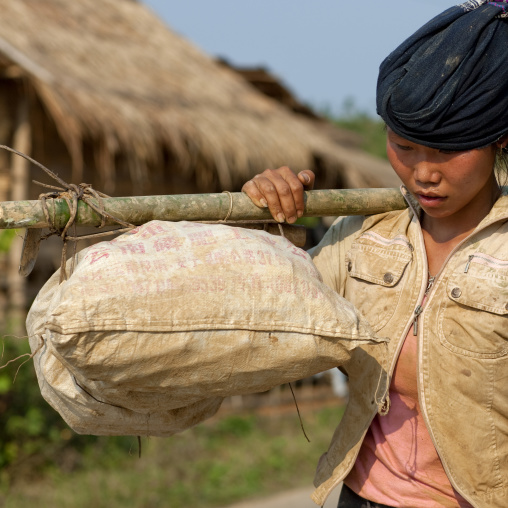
421 398
419 308
466 269
485 259
386 242
430 283
418 312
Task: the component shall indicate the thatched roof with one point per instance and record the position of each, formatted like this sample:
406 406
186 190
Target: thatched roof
113 73
272 86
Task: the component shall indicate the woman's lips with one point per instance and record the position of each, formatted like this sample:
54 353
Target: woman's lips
430 200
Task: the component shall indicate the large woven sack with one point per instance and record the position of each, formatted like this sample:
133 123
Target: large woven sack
154 328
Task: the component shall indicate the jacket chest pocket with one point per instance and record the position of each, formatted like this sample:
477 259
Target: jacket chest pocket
473 319
375 267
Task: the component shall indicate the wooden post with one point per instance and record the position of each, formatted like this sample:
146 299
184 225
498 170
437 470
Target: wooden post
5 133
16 285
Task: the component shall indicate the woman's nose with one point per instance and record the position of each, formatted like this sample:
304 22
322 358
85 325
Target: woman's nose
426 172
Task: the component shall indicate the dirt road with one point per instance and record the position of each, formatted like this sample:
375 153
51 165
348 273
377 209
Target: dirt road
299 498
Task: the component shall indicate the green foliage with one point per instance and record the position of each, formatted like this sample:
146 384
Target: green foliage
219 462
31 430
371 129
237 426
6 238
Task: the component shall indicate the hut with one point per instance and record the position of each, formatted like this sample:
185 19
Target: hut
114 97
358 168
107 94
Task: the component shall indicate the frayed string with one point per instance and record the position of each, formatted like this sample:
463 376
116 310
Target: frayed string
298 411
30 356
139 447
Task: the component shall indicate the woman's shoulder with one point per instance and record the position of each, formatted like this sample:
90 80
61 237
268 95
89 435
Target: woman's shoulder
388 223
346 230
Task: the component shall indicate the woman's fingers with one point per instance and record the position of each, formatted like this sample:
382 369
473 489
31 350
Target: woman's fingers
281 191
251 189
307 177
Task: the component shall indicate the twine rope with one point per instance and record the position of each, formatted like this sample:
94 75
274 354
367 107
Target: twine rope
264 222
72 194
228 215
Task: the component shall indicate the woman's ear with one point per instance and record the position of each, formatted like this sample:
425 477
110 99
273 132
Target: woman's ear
502 142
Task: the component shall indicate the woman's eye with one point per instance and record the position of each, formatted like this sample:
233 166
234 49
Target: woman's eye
448 152
403 147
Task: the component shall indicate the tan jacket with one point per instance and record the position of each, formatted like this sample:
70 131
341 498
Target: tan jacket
379 264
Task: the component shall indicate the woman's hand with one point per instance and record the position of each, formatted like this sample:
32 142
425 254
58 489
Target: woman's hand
281 191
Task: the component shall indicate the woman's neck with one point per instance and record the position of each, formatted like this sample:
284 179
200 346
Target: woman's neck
441 235
461 224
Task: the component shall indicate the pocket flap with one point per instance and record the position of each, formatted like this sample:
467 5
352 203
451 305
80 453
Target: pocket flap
377 265
480 293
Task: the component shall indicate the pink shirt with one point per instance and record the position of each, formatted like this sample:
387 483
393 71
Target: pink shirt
398 464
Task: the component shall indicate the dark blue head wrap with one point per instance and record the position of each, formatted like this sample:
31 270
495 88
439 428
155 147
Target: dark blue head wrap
447 85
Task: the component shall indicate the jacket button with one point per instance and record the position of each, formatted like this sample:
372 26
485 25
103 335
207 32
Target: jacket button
349 266
388 277
456 292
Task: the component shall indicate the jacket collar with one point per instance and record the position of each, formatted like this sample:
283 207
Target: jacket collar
414 206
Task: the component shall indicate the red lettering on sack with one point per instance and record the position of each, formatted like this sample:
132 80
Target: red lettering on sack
217 258
268 239
134 231
248 256
160 265
134 248
202 238
131 267
140 287
145 266
240 234
96 255
221 284
168 243
234 256
152 230
298 252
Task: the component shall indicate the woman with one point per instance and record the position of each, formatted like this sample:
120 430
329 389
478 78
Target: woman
427 420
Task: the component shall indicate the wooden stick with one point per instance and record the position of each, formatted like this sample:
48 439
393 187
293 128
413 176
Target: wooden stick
235 206
20 181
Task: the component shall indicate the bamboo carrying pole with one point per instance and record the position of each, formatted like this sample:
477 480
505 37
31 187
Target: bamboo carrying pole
197 207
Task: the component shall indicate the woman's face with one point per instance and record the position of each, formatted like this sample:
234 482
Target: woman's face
448 185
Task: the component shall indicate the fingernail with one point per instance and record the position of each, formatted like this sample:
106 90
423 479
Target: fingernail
263 202
305 176
292 219
299 213
280 217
